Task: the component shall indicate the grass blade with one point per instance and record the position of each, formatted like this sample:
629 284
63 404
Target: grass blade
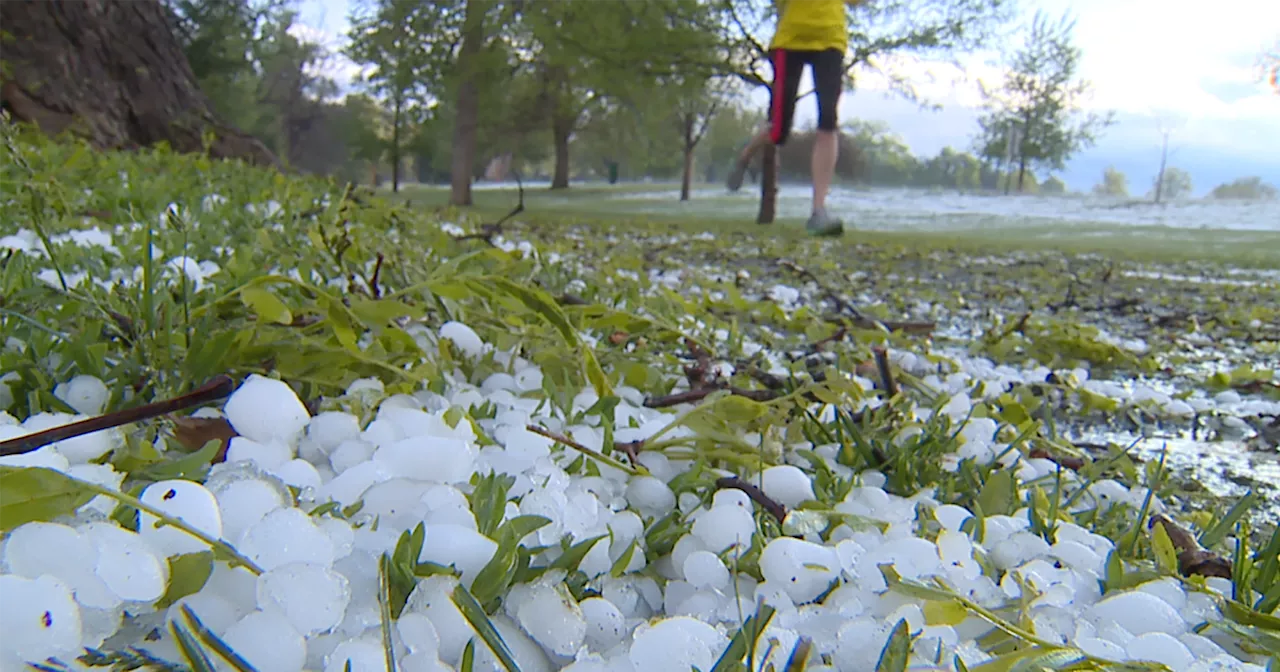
214 642
191 649
384 608
474 613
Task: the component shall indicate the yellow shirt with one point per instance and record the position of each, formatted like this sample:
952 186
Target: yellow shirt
811 25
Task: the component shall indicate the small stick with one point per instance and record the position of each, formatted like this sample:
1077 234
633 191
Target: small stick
701 393
373 282
886 375
634 470
1193 559
213 390
756 494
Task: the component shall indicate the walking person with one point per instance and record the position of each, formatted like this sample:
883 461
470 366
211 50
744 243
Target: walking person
813 33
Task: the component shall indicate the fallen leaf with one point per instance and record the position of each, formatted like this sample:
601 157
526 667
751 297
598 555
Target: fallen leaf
193 433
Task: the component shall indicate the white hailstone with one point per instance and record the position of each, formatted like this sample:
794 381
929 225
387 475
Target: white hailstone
606 626
40 620
187 501
1138 613
458 546
951 516
787 485
267 642
285 536
426 458
418 633
723 527
299 473
313 598
266 455
463 337
364 654
331 429
431 599
804 569
86 394
549 614
242 502
265 410
128 565
651 497
526 652
347 487
349 453
704 569
1159 647
100 474
859 643
679 643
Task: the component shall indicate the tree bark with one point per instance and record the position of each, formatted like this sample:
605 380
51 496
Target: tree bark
462 169
561 129
111 72
768 184
687 179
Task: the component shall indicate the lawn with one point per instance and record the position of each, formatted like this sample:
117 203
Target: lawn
593 439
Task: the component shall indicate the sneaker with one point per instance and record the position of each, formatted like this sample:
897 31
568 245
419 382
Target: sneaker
822 224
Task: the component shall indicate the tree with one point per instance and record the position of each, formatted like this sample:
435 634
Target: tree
1037 110
1114 183
1171 183
113 72
886 36
1053 185
1245 188
388 38
1269 66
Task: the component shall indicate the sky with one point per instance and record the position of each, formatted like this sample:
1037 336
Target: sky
1188 68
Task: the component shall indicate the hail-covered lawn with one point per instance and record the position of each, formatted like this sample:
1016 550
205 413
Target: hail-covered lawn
406 438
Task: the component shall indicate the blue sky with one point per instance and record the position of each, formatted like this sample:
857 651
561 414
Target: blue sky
1190 68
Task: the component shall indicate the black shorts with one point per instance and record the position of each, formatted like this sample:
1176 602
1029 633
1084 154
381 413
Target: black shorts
788 66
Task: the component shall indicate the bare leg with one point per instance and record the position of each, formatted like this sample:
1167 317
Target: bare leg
758 142
823 167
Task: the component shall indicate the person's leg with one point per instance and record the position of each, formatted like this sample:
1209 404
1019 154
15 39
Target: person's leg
787 69
828 73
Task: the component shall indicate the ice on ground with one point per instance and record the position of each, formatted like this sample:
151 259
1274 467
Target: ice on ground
265 410
267 642
40 620
312 597
188 501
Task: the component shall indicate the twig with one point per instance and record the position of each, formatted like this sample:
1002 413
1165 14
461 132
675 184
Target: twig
568 299
886 374
756 494
634 470
215 389
1193 559
701 393
373 282
488 231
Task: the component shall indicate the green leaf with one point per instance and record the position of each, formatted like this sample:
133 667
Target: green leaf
29 494
191 649
539 302
190 467
896 651
1222 528
595 374
998 495
745 641
341 325
266 305
187 575
480 622
1166 554
571 558
620 565
215 642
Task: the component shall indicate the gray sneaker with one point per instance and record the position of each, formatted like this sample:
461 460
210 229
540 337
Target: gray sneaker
822 224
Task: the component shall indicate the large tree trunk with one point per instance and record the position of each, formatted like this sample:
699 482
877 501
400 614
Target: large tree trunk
464 131
1164 157
112 72
561 129
768 184
687 179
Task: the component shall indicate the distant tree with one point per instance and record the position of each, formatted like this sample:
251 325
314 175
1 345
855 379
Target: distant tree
386 38
1172 183
1245 188
1053 185
1036 113
1114 183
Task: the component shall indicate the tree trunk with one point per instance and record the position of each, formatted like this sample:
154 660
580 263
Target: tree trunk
687 179
395 145
464 131
1022 172
561 128
113 73
768 184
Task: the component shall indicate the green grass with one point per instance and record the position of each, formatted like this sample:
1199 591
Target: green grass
607 206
